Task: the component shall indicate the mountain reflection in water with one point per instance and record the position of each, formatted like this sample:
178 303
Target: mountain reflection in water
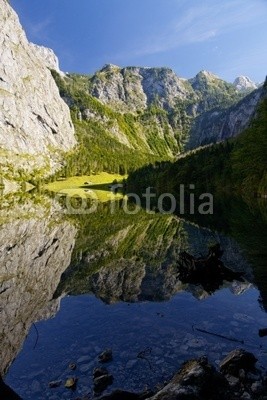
46 255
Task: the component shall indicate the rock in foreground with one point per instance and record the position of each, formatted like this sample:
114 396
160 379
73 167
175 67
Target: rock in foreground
199 380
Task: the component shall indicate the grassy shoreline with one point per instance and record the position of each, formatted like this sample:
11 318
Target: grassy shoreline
85 185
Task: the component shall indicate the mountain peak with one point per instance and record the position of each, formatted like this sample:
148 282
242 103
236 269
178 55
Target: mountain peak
203 80
110 67
206 74
243 83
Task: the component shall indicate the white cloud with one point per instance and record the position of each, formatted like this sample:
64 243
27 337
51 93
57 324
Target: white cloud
39 30
244 64
204 22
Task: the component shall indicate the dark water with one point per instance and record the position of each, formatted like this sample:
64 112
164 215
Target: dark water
72 286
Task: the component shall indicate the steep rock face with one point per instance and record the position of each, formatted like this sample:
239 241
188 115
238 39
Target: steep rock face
34 252
216 125
211 92
47 56
135 88
34 120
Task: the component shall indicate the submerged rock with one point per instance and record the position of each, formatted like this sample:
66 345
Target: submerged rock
71 383
105 356
196 380
102 382
72 366
199 380
102 379
54 384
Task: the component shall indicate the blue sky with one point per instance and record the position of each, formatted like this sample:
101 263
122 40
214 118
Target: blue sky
226 37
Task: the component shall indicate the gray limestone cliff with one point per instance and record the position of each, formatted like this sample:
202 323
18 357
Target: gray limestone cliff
47 56
35 123
217 125
135 88
244 83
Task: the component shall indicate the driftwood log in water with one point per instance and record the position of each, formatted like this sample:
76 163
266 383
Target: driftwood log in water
208 271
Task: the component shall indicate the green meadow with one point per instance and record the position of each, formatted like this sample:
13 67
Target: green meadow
96 186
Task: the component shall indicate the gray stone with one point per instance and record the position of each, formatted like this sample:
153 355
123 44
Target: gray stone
54 384
196 380
237 360
257 387
246 396
233 381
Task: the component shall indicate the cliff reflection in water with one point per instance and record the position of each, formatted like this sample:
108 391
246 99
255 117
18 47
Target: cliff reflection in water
35 248
135 258
118 257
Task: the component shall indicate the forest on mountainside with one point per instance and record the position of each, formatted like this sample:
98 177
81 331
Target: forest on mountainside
236 166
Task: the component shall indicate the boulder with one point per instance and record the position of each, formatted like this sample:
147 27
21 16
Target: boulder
237 360
196 380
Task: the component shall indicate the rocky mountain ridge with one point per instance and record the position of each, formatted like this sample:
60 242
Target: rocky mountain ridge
201 110
137 88
139 111
215 110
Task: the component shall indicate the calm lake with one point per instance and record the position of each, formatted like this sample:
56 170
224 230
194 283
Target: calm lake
74 285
